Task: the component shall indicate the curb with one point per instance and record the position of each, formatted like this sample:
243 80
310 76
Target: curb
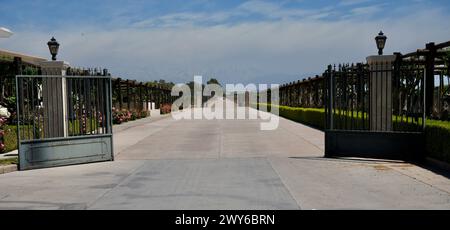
9 155
8 168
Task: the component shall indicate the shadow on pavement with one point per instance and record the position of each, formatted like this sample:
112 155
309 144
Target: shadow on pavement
351 160
442 171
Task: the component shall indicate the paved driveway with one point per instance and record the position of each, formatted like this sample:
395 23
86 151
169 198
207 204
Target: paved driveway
224 164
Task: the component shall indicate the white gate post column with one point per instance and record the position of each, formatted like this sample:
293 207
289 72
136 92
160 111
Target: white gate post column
380 89
55 99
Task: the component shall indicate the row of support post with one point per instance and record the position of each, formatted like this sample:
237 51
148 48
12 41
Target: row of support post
131 95
307 93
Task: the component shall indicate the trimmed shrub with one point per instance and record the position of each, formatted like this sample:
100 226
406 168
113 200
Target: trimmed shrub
143 114
134 116
166 108
309 116
437 134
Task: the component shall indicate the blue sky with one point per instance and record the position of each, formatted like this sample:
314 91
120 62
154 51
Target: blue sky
113 14
234 41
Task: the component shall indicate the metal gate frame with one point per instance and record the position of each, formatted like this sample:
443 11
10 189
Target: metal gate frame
63 120
364 140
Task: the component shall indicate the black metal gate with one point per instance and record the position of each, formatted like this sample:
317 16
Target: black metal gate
63 120
375 110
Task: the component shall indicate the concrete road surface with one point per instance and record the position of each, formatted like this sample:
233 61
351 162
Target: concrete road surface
162 163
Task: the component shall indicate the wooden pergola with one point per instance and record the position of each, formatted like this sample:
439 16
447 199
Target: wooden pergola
137 96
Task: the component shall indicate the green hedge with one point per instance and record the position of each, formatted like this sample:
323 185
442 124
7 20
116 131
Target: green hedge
309 116
437 133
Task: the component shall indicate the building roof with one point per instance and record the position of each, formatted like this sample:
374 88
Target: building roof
5 54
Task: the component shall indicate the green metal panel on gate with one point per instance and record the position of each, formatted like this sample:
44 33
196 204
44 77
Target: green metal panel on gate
66 151
63 120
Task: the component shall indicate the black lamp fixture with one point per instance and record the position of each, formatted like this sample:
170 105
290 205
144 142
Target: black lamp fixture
381 42
53 46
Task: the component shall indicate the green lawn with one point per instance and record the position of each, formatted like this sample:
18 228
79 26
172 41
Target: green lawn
10 137
11 133
8 161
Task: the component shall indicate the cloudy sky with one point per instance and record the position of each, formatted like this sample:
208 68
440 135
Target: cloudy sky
233 41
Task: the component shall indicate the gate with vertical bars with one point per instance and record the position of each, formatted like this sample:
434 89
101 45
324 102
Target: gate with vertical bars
63 120
375 110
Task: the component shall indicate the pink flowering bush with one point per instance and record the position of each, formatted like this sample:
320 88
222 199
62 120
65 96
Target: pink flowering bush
122 116
2 134
166 108
117 116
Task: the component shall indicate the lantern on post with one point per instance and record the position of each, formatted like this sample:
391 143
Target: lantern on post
381 42
53 46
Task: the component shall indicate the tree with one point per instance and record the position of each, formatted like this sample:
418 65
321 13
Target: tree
213 81
161 83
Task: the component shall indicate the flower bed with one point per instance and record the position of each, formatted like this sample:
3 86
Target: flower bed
122 116
4 115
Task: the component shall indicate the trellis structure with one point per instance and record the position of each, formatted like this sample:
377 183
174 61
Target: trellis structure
436 60
137 96
306 93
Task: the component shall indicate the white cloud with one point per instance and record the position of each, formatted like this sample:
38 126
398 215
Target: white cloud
183 19
272 10
353 2
258 52
366 10
266 10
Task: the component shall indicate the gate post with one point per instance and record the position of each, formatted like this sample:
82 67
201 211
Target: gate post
330 81
380 90
54 93
429 78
